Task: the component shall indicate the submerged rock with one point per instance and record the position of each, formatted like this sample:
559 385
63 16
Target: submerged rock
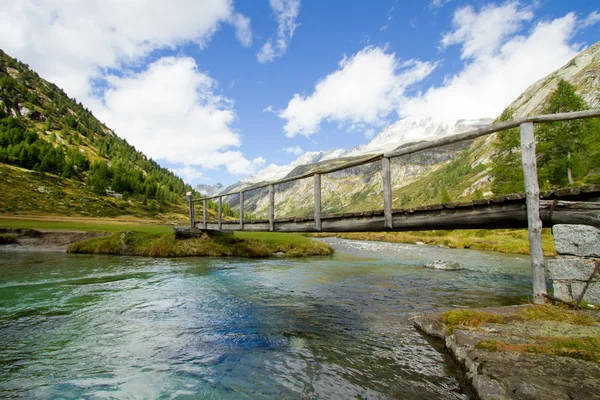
444 265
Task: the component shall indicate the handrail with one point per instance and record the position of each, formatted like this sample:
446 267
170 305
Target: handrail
414 148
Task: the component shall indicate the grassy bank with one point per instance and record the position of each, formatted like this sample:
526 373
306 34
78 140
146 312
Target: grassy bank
501 240
85 224
240 244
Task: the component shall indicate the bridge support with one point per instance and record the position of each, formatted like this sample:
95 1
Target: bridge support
191 202
271 208
317 202
387 192
204 221
534 222
220 211
241 211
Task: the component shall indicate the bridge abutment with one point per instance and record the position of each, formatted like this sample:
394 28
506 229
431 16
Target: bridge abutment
575 270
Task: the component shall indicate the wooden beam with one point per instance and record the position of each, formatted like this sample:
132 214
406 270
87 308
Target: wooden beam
534 222
191 205
219 218
387 192
204 214
510 214
317 202
271 208
241 211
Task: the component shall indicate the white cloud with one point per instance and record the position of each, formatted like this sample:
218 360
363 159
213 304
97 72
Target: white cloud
498 67
72 42
364 90
296 150
286 12
438 3
242 29
592 19
78 43
171 112
187 173
481 33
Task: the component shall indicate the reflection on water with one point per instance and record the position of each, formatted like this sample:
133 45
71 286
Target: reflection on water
327 327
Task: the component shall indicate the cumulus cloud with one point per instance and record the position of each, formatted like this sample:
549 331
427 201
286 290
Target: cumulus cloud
365 89
187 173
286 12
71 43
481 33
85 45
172 112
296 150
500 63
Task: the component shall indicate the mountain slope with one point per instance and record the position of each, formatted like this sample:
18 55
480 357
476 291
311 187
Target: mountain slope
459 172
51 141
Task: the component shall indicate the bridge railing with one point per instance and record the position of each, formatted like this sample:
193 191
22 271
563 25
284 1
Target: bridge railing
528 156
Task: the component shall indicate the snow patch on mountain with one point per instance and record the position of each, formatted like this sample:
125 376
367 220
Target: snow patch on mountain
389 138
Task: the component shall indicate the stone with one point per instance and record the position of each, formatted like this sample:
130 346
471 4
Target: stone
577 240
444 265
592 294
562 290
572 268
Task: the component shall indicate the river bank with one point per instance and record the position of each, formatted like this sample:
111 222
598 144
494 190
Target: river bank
522 352
151 244
513 241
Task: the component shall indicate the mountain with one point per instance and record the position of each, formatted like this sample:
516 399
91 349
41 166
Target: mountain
209 190
459 172
57 158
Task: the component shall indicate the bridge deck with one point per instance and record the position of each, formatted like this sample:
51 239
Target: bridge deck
579 205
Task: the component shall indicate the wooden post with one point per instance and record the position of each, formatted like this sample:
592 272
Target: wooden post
387 192
191 201
317 202
271 208
241 211
204 213
220 211
532 191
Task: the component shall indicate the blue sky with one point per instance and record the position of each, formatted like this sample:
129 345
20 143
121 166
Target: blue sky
217 90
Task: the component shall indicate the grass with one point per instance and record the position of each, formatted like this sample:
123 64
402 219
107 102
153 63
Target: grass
502 240
85 224
469 319
548 312
6 238
241 244
587 348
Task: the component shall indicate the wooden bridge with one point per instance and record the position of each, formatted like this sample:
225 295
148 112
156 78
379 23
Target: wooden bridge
580 205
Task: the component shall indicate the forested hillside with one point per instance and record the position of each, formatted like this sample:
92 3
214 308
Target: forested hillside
54 142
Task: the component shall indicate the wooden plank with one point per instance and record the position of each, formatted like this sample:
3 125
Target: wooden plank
386 173
492 216
271 208
534 222
204 213
241 211
220 211
317 202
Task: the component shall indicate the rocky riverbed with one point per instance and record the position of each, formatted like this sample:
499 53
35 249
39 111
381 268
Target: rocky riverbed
43 240
513 357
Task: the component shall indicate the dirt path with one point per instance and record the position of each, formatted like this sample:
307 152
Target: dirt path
45 240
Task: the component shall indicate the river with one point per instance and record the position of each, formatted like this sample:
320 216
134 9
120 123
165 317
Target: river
79 326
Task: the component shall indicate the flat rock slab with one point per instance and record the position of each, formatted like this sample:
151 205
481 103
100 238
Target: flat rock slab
512 375
577 240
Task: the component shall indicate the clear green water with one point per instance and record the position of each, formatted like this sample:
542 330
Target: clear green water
333 327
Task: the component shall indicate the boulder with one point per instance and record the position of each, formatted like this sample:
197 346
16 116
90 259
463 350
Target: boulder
444 265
